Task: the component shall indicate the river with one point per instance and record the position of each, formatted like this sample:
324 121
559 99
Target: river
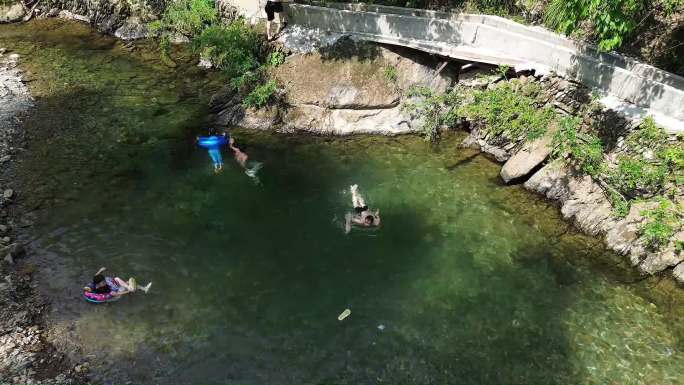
467 281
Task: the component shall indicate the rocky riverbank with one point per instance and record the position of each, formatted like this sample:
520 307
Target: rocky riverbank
25 355
586 199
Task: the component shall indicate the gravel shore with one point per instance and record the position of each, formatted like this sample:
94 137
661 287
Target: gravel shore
25 355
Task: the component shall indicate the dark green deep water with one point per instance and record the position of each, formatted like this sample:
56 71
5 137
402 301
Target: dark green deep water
468 281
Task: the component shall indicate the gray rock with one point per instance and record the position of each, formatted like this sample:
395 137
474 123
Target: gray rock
581 199
15 250
528 158
178 38
132 29
8 258
12 13
678 273
656 262
498 153
72 16
205 63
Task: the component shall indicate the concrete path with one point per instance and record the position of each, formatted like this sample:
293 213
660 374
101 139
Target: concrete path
629 86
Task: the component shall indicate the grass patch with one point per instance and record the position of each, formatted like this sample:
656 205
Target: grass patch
390 73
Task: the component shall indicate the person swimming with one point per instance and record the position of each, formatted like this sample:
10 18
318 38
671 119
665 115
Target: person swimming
213 143
114 286
251 167
362 216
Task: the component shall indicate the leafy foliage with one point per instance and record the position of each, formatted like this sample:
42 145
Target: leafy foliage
435 110
261 95
187 17
679 247
611 20
510 109
584 150
638 175
661 224
620 205
275 59
648 135
234 48
673 157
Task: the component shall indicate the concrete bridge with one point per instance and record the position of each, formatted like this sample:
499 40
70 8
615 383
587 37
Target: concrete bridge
629 86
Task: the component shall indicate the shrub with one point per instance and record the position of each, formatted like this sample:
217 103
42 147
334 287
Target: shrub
648 135
611 20
275 59
585 150
661 224
435 110
638 174
510 110
673 157
234 48
620 205
187 17
261 95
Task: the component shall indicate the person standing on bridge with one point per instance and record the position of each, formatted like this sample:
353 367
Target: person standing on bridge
274 13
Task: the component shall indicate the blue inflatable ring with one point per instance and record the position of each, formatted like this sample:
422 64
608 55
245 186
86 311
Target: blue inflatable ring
213 141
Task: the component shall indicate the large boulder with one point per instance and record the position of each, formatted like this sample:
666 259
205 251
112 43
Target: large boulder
581 199
530 156
132 29
659 261
12 13
347 88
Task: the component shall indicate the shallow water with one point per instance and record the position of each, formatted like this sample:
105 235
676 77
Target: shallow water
468 281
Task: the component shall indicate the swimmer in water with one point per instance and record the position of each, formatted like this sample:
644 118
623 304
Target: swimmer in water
114 286
362 216
242 158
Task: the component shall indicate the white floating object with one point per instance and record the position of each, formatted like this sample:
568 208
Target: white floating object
381 327
344 314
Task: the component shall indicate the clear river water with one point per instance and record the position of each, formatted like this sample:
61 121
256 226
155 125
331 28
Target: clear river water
467 281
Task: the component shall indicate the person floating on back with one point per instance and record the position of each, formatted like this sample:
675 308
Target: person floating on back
213 143
362 216
104 289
